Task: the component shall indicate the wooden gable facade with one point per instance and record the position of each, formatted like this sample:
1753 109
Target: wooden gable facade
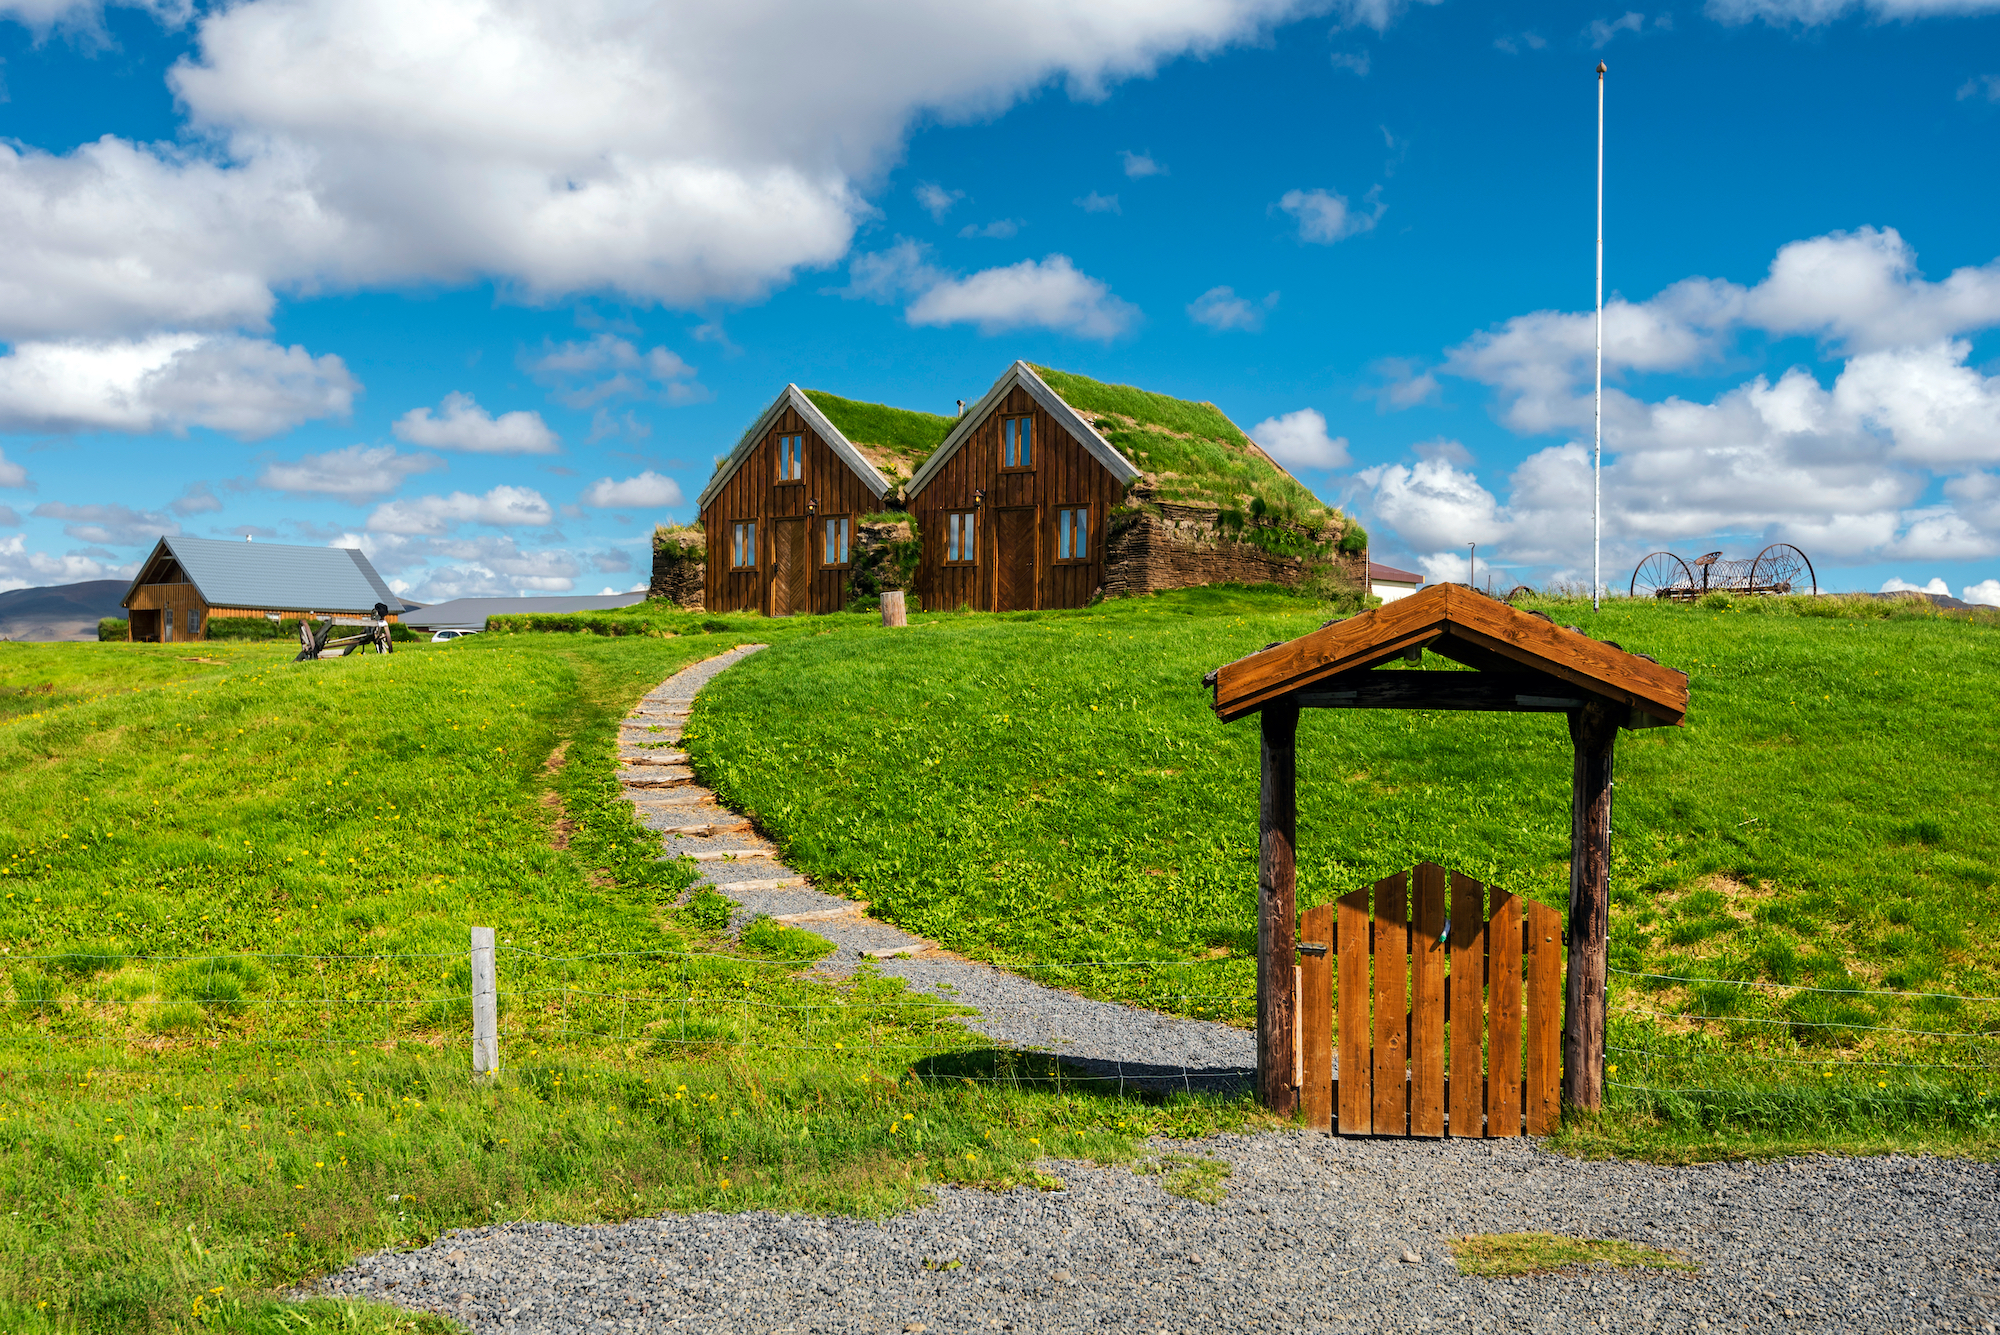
1014 505
781 514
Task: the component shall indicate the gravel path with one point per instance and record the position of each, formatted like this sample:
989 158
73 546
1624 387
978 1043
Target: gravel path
1315 1234
1122 1046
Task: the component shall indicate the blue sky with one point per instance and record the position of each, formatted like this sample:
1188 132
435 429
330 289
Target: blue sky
485 289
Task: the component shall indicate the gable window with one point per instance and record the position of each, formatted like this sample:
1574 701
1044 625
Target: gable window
959 546
792 458
833 544
1073 533
743 546
1017 442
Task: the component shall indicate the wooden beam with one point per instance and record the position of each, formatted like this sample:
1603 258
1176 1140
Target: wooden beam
1277 914
1594 732
1517 692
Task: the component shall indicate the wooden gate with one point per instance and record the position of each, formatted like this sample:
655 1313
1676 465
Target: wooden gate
1431 1038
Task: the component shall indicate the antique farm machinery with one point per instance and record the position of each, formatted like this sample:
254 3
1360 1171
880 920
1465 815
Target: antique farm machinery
314 644
1779 568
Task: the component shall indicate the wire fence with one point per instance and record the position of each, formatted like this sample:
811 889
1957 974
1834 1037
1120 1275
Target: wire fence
1155 1024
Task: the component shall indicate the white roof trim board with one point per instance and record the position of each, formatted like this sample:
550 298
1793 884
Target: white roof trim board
794 397
1022 374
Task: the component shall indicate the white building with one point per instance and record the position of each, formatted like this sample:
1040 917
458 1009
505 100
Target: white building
1389 583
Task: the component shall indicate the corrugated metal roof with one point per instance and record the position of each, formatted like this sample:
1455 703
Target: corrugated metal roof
274 576
1391 575
471 613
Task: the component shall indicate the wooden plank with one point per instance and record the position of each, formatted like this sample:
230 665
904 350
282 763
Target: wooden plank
1392 1006
1426 1041
1539 644
1277 907
1316 1004
1543 1099
1514 692
1594 732
1356 1110
1468 1005
1503 1015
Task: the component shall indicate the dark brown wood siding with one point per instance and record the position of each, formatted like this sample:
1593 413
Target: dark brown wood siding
1064 474
754 493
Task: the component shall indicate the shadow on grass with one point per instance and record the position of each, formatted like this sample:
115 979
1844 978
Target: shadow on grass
1048 1072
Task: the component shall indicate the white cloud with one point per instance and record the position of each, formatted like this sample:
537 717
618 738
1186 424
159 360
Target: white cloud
936 200
1986 591
113 525
1220 309
993 231
1139 165
1299 440
23 569
1601 31
1980 85
9 517
1445 449
1096 203
1904 586
1050 293
1376 14
358 473
1861 290
647 491
250 388
11 473
588 374
1326 218
198 498
463 425
1515 43
502 507
1356 61
631 147
1813 13
885 275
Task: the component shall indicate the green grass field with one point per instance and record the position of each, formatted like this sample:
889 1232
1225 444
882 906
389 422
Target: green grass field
204 1105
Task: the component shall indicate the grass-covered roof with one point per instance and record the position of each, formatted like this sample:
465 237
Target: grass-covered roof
895 440
1191 453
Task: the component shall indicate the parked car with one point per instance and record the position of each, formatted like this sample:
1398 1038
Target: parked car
445 635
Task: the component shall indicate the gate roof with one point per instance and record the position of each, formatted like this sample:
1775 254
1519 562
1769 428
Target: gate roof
1525 662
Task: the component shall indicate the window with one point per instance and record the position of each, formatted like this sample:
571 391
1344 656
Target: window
743 546
959 546
1017 442
1073 533
194 624
833 549
792 458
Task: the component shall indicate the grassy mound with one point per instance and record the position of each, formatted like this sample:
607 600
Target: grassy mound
895 440
1193 455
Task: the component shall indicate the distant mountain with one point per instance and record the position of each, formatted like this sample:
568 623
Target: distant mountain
60 611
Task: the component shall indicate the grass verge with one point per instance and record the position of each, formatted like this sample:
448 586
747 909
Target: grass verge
1538 1253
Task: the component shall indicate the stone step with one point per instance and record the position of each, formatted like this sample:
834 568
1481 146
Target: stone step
775 883
707 831
668 780
854 910
657 758
917 947
731 854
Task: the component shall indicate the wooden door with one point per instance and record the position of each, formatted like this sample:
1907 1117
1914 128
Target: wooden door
1014 560
791 567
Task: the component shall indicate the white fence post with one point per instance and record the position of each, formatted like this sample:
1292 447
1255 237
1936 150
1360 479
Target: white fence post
485 1010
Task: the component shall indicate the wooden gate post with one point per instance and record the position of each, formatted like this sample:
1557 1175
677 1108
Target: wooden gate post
1277 921
1594 731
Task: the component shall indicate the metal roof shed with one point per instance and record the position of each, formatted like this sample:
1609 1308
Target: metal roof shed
186 581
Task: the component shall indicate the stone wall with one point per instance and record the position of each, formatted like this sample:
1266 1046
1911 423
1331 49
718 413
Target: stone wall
677 577
1182 546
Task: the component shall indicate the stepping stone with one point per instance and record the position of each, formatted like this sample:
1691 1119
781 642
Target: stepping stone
776 883
891 952
669 780
853 910
660 758
706 831
730 854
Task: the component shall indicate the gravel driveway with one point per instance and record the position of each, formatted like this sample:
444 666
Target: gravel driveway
1314 1235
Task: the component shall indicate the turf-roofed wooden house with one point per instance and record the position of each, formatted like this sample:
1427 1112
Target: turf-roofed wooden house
780 518
187 582
1014 504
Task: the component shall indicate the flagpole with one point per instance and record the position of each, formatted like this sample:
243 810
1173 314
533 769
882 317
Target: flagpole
1597 449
